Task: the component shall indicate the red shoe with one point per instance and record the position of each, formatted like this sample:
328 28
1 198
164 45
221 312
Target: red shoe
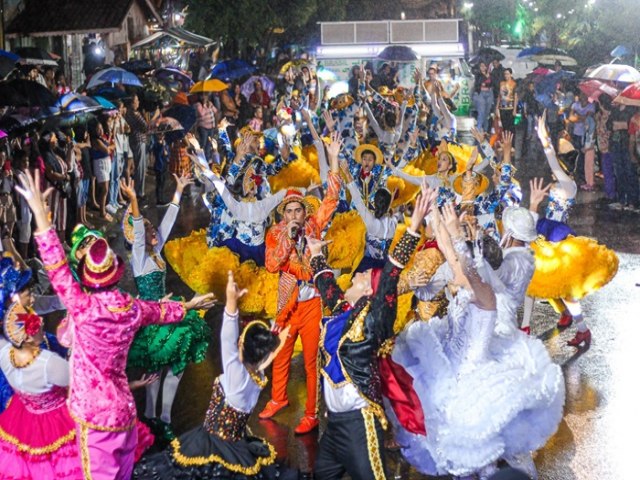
271 409
526 330
306 425
581 337
565 320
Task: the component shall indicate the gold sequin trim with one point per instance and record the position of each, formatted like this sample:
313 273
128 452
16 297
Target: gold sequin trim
100 428
185 461
52 447
84 452
56 265
372 444
126 308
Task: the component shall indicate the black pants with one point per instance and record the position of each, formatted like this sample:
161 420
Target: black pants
353 444
161 180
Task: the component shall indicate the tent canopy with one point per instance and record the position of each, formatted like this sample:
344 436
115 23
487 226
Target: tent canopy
174 35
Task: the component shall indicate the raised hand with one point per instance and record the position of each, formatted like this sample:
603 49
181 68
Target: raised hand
146 379
37 200
201 302
452 222
128 189
538 193
423 205
543 134
507 140
234 293
315 245
182 182
333 150
328 120
472 160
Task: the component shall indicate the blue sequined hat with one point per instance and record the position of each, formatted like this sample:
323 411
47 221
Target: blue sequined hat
12 281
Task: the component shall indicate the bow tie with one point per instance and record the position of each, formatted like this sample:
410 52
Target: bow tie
364 175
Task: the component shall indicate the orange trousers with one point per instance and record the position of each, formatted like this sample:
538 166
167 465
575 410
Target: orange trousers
305 321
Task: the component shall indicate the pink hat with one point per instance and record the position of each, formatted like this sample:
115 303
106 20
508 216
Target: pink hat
100 267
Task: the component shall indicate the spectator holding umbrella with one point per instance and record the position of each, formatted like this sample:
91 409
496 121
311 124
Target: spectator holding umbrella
483 96
138 141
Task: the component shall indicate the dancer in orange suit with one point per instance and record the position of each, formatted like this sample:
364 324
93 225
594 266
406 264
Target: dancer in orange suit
299 304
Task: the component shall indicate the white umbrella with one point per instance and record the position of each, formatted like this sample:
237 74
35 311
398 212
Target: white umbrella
615 73
268 86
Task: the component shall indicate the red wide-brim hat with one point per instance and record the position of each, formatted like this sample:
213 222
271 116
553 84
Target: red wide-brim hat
100 267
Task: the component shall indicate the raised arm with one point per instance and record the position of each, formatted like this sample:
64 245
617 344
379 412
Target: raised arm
330 201
372 121
138 249
567 184
253 212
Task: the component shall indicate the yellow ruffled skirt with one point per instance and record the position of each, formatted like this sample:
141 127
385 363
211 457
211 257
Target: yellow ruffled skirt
571 268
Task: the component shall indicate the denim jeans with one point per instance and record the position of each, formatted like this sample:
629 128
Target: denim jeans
626 174
117 167
484 103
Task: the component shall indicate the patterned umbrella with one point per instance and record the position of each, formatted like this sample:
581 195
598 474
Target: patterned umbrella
169 75
594 88
630 95
615 73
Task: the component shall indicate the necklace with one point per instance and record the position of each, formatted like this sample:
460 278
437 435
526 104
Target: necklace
261 382
12 358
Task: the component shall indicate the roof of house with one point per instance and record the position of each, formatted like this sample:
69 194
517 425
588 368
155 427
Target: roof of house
62 17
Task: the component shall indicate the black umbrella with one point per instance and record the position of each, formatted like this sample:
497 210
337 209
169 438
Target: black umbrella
16 124
35 56
25 93
487 55
185 115
398 53
137 66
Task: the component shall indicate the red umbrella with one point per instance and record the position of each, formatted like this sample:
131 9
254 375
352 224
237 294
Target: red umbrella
594 88
542 71
630 95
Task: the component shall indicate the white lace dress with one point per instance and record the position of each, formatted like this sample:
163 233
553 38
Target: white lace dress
484 397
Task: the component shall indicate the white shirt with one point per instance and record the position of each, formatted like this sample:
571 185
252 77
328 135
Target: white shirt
46 371
240 391
343 399
141 262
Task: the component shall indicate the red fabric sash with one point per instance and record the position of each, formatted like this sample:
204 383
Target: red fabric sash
397 386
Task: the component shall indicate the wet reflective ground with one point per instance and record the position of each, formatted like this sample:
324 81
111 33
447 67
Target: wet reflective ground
598 437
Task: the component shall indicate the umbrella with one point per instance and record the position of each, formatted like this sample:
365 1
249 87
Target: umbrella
542 71
17 123
338 88
547 83
551 58
486 54
165 125
299 63
630 95
398 53
168 74
231 70
530 51
114 75
110 93
20 92
211 85
615 73
8 62
137 66
104 103
74 103
268 86
594 88
35 56
621 51
186 117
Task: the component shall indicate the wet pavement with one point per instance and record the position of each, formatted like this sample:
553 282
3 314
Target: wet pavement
597 438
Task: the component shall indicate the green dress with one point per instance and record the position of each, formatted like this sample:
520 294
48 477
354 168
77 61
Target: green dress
172 345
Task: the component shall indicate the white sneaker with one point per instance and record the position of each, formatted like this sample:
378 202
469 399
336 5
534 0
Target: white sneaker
616 206
111 209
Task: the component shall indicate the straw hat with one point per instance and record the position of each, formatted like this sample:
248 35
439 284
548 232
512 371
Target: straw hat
19 324
371 148
100 267
519 223
342 101
295 195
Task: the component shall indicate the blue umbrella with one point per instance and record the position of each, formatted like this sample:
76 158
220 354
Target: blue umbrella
74 103
9 55
621 51
104 103
530 51
547 85
170 74
114 75
231 70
